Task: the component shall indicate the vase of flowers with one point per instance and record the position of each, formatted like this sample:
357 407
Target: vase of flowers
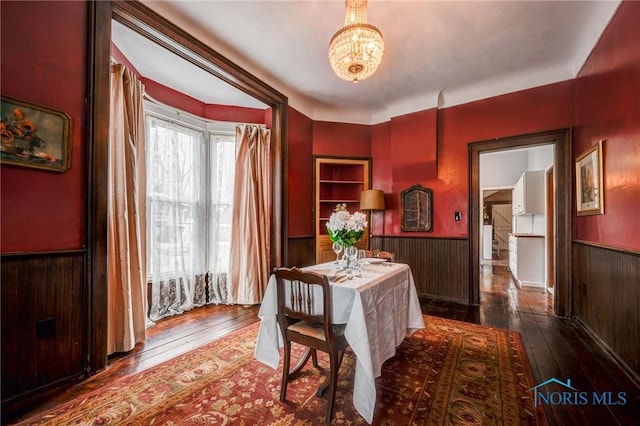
346 229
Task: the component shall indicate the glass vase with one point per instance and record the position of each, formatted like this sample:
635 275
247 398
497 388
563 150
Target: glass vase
350 258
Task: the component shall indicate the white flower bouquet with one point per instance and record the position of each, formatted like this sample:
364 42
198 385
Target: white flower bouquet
346 228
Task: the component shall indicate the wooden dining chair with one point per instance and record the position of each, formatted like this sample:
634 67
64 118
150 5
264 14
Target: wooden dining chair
305 317
381 254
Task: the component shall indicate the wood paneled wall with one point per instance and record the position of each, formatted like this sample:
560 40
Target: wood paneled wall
300 251
440 266
42 321
606 298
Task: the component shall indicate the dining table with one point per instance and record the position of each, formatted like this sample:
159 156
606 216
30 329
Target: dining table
379 306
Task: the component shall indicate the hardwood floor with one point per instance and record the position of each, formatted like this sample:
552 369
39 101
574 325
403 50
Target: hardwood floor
556 347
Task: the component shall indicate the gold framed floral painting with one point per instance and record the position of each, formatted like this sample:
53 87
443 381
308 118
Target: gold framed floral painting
589 187
34 135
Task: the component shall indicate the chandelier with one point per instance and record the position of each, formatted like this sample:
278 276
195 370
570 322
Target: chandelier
355 51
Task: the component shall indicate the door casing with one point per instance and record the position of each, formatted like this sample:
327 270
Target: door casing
561 141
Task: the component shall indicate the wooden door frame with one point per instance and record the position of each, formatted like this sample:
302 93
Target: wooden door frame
140 18
549 228
561 141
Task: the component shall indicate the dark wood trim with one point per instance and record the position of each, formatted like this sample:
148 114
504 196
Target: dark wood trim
474 227
97 145
606 247
280 202
561 140
425 236
143 20
339 157
139 18
563 303
43 253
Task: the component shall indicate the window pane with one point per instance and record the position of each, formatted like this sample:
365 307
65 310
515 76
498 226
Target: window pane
175 199
223 154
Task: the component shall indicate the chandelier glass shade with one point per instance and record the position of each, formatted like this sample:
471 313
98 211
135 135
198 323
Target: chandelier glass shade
355 51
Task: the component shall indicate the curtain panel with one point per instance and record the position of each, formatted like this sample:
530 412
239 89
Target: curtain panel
250 237
126 241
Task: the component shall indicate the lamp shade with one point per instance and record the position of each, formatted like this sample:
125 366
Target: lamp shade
372 199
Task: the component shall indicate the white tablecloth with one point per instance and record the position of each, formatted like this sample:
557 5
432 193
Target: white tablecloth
380 309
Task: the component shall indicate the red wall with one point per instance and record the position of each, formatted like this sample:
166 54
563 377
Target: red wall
300 175
44 60
169 96
429 134
528 111
602 103
608 107
308 138
414 146
345 140
382 177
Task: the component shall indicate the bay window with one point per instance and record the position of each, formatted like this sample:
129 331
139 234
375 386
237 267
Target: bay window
190 169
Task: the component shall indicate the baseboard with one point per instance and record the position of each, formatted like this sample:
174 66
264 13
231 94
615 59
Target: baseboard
532 284
633 376
444 299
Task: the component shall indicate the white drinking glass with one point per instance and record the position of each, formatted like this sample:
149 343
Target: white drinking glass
362 259
337 248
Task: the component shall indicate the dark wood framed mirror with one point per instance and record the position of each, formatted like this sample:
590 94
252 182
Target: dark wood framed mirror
417 207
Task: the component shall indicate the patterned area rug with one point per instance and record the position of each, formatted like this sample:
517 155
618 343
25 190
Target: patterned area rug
451 373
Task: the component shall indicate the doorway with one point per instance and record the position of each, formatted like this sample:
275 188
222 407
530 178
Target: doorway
561 143
496 220
140 18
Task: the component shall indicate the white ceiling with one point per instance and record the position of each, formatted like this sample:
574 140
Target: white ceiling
437 53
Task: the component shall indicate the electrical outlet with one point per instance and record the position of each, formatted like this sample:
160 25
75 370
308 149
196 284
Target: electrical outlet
457 216
46 328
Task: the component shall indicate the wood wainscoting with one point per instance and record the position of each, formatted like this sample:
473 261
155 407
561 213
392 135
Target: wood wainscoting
43 332
440 266
606 299
300 251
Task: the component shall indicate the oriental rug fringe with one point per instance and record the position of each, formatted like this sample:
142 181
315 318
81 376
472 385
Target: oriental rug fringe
449 373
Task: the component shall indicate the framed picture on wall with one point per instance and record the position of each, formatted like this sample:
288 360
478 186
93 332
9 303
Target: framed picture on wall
417 209
34 135
589 188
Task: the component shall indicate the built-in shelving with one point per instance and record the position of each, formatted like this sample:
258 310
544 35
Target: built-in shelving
337 181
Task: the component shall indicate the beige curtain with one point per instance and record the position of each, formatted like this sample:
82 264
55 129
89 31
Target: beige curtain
250 229
126 213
